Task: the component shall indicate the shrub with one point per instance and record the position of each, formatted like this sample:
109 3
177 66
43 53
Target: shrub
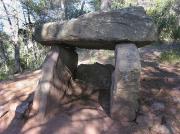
171 57
166 19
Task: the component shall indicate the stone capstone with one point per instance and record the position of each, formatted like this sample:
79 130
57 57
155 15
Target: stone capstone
100 30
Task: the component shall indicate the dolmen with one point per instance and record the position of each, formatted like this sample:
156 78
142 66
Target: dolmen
122 30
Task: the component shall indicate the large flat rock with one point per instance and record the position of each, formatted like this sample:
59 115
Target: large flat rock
100 30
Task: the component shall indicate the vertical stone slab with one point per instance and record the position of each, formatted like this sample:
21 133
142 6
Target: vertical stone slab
126 83
55 83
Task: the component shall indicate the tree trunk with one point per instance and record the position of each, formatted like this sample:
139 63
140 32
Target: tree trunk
17 58
64 9
14 31
24 16
29 17
105 5
17 45
82 8
4 53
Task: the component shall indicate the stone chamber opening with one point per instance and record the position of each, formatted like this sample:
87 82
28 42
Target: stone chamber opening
65 82
70 75
95 68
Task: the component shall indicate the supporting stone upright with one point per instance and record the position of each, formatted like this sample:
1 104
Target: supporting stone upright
55 83
126 83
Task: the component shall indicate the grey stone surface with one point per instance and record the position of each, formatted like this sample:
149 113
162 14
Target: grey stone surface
96 74
99 76
100 30
158 106
126 83
55 83
21 110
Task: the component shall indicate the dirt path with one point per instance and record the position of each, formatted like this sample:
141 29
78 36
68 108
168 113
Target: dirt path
159 111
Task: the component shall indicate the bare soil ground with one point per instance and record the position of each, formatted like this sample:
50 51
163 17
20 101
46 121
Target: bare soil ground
159 111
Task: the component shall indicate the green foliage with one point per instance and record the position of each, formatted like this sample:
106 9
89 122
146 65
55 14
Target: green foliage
5 54
95 4
164 14
35 7
166 20
72 10
176 33
3 76
31 55
44 10
116 4
171 57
